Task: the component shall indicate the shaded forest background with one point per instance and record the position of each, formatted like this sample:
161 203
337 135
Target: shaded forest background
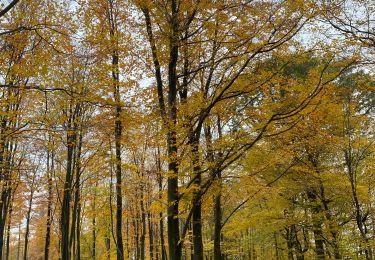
187 129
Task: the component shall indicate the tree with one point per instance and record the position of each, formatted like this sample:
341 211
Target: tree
186 129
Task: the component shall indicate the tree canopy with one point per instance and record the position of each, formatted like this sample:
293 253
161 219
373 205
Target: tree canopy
187 129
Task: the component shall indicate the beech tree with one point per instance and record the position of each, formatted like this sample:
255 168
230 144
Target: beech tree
195 129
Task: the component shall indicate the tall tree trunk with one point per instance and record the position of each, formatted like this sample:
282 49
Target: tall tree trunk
289 242
169 117
197 198
197 220
332 227
127 238
277 253
94 237
74 232
173 204
217 200
118 129
143 221
78 232
107 242
317 211
72 236
4 178
6 184
50 162
217 227
94 224
8 230
169 120
65 209
352 164
161 218
359 217
19 242
28 217
7 151
173 198
136 234
150 235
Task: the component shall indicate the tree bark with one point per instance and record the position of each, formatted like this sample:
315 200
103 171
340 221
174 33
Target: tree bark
6 182
74 234
8 230
143 222
332 227
217 199
65 209
118 129
150 235
217 227
28 217
78 233
50 169
94 225
169 120
197 206
161 221
316 211
19 242
107 242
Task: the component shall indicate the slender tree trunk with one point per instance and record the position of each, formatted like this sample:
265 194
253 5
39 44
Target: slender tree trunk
7 150
4 197
19 243
217 227
118 136
65 209
143 223
332 227
78 233
289 242
118 130
74 232
197 231
8 230
173 198
161 219
150 235
6 188
28 216
94 226
50 161
172 219
316 211
127 238
352 167
107 242
136 234
277 253
191 243
26 235
4 179
197 201
359 218
2 223
197 224
113 34
217 200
